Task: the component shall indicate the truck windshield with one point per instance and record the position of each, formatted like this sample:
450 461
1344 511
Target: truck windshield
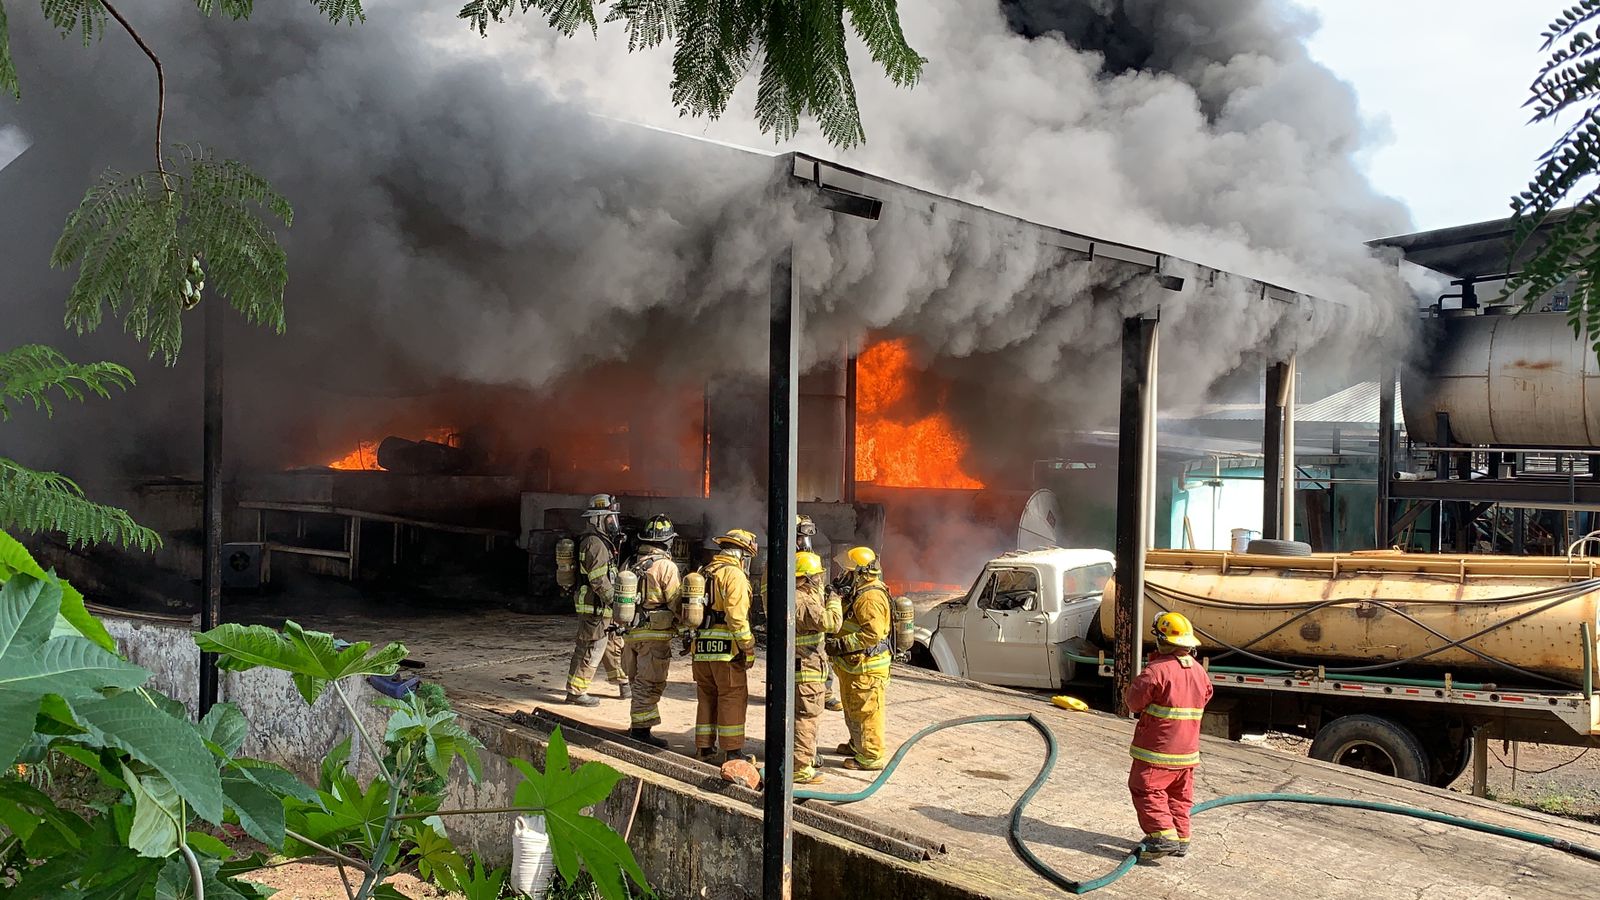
1085 581
1009 589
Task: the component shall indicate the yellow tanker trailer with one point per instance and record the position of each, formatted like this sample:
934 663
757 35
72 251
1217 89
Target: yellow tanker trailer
1392 661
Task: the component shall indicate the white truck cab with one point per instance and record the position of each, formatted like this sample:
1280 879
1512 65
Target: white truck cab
1025 612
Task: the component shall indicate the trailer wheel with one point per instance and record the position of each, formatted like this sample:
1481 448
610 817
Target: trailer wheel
1269 547
1372 744
1448 758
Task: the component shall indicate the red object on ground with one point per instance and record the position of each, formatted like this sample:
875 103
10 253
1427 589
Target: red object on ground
741 771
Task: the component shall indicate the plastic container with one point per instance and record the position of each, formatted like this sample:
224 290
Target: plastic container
1241 539
532 862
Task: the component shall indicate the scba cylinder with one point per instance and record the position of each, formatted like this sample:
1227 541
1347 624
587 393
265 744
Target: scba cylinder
566 564
905 624
694 600
626 599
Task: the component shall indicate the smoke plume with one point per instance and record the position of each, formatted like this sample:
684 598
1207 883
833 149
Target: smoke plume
473 211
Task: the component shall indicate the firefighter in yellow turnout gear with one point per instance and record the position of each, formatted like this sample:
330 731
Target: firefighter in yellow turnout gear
595 642
647 647
817 614
861 654
725 649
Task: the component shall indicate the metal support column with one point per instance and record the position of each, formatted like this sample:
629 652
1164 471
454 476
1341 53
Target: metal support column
850 428
1271 454
1135 444
777 830
1386 465
211 492
1291 470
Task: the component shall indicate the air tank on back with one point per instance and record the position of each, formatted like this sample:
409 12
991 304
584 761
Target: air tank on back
1506 380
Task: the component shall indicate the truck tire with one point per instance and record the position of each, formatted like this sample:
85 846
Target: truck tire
1447 759
1268 547
1372 744
922 657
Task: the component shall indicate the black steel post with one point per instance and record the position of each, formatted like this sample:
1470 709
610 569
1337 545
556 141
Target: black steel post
777 829
1134 444
1386 448
211 490
1272 454
850 427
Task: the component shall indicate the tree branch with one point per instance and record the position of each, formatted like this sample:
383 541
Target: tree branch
340 857
161 85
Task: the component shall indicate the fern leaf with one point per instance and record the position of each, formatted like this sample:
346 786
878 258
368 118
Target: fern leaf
8 69
46 501
147 248
87 17
32 371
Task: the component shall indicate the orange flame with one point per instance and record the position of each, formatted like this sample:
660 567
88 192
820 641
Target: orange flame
364 458
924 452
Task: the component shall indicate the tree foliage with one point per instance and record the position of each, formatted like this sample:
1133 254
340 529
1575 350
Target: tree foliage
1568 83
34 501
801 44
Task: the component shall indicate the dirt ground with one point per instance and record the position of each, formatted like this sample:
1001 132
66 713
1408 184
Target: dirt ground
1561 781
314 881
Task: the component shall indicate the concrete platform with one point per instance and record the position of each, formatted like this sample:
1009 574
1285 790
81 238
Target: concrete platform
958 786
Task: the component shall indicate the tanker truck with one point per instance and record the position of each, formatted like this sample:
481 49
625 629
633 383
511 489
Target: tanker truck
1389 662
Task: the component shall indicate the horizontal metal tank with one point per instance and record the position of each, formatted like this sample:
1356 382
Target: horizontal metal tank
1508 380
1400 606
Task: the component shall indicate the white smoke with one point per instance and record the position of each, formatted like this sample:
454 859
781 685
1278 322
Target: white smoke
463 214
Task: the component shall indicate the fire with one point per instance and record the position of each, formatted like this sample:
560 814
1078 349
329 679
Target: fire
364 458
923 452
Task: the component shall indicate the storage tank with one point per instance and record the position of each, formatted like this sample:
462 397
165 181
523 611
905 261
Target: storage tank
1508 380
1366 608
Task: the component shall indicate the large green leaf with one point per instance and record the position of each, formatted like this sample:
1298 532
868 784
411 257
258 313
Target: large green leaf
69 666
17 715
274 778
28 607
158 817
133 723
311 657
562 795
259 810
15 559
176 883
225 726
605 854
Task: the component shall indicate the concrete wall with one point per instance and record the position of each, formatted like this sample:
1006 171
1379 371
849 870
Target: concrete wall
690 843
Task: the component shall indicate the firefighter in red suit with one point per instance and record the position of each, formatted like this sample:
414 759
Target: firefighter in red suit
1169 697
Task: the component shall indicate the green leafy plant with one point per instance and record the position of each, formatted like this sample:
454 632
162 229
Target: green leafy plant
1568 83
801 44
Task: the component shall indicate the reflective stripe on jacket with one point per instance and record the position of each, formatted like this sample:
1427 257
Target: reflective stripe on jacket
597 569
865 632
1170 696
817 614
660 588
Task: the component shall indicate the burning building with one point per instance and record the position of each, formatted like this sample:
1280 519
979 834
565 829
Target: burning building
500 301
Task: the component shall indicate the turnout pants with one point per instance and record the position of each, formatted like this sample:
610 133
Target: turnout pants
592 647
723 690
1162 799
647 664
864 697
808 703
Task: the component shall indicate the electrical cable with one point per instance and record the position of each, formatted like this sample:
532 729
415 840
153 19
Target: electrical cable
1052 753
1502 761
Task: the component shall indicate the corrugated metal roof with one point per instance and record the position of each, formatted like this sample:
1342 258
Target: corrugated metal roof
1355 405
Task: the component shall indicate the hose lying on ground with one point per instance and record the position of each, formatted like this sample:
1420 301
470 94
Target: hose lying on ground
1014 831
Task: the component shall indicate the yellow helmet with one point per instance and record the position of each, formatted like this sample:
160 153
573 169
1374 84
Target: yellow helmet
1175 629
738 539
863 559
807 564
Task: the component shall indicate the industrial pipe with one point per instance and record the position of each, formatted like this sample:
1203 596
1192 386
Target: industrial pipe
1289 481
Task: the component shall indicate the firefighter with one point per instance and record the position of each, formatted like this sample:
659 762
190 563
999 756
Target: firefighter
804 531
647 647
596 641
817 614
1169 697
861 654
724 650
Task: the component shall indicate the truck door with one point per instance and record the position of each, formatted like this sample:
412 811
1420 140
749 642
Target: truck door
1006 629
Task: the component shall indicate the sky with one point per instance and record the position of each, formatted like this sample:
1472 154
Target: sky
1442 83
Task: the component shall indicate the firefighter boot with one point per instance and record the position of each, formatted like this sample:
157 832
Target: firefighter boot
1157 846
644 735
625 691
1183 848
582 700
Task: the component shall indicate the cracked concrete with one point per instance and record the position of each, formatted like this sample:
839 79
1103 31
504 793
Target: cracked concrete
958 786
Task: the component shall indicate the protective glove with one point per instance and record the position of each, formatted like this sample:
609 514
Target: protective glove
749 661
834 646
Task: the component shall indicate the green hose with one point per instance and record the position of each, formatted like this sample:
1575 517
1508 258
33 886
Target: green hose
1052 751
